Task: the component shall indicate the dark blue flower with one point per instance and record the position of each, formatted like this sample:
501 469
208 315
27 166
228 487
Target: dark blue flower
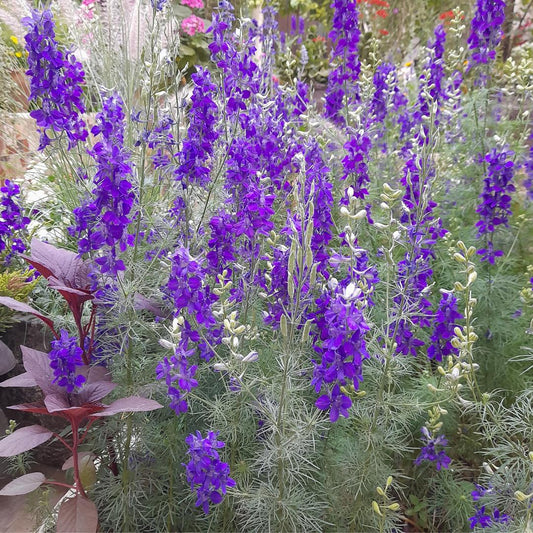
65 356
486 30
102 220
434 450
495 206
343 87
443 325
56 80
12 220
206 473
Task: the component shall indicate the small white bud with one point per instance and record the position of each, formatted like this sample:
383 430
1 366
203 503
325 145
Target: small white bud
166 344
251 357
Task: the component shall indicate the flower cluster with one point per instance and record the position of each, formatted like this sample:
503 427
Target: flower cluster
386 91
187 288
414 271
486 30
484 518
432 80
433 450
342 82
161 140
105 217
206 473
11 219
440 340
339 341
56 79
355 164
194 4
197 149
179 376
192 25
495 206
528 167
65 356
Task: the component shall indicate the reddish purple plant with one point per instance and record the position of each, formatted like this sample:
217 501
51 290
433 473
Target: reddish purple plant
71 388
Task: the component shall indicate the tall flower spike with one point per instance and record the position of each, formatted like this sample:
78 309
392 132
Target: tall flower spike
56 80
447 315
12 220
105 217
486 30
342 88
206 473
495 207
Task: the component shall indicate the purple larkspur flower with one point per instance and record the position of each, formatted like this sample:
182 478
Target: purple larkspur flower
339 327
12 220
198 145
495 206
56 80
102 220
179 376
206 473
486 30
343 87
65 356
443 325
433 450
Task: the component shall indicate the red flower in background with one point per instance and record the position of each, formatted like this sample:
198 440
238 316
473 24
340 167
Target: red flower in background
381 13
446 15
380 3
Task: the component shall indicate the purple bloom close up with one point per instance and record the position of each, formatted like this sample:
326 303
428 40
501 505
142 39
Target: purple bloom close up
206 473
56 80
433 450
486 30
65 356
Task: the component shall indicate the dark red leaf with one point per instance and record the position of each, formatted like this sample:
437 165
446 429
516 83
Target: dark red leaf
56 402
36 407
76 415
77 515
64 265
23 439
23 484
7 359
131 403
96 373
38 365
95 391
22 380
15 305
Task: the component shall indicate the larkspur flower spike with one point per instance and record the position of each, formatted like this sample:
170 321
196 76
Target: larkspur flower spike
206 473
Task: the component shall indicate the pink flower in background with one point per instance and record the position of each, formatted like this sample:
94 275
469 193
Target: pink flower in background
194 4
192 24
88 2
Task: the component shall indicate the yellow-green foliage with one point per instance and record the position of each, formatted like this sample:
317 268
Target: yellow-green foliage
13 283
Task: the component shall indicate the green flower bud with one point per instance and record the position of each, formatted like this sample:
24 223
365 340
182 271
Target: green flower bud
376 508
